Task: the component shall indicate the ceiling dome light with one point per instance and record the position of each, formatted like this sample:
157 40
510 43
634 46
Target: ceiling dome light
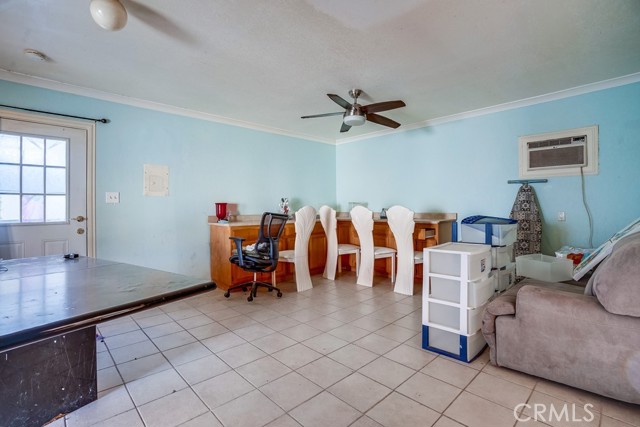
109 14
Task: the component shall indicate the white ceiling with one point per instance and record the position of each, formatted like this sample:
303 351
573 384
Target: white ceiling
265 63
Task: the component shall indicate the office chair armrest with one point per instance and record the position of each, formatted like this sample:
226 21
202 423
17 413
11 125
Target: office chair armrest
238 241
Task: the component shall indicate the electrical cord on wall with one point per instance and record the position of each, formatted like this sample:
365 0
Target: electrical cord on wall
586 207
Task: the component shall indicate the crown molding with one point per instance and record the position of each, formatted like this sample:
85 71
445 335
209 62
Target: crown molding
150 105
540 99
141 103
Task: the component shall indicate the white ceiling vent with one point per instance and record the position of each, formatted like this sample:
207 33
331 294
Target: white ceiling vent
559 153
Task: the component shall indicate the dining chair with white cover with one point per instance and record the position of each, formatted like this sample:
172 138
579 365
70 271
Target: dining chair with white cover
362 219
305 220
402 225
335 249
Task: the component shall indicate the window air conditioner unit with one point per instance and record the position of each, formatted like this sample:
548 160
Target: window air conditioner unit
559 153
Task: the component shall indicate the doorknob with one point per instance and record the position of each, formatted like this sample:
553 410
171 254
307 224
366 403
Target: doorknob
79 218
80 231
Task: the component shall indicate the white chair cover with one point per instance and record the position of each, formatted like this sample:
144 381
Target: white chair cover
329 224
362 219
401 223
305 221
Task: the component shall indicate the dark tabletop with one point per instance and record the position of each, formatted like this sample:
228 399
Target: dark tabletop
45 295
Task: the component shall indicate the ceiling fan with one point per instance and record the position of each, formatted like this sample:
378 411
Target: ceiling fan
356 114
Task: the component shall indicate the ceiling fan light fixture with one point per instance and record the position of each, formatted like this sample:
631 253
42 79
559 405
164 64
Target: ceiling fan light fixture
354 115
354 120
108 14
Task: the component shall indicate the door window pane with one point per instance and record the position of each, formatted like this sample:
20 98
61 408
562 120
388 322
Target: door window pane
32 179
32 208
32 150
56 181
9 179
9 208
56 152
56 207
9 148
27 187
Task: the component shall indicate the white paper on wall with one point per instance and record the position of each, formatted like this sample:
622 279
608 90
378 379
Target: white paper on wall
156 180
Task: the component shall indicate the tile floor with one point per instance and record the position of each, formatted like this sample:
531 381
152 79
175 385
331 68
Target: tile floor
336 355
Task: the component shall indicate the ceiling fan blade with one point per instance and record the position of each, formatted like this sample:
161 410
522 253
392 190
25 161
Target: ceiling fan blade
344 127
158 21
338 100
339 113
383 106
381 120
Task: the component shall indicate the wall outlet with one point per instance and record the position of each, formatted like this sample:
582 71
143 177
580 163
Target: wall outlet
112 197
561 216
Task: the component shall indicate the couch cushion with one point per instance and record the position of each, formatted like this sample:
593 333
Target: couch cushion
616 282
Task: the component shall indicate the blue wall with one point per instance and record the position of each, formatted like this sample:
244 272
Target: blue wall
208 162
463 166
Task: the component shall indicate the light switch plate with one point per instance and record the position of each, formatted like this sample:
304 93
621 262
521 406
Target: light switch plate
112 197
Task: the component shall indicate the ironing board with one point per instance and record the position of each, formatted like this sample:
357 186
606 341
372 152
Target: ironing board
525 210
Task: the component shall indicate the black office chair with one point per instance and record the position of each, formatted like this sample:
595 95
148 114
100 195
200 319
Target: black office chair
263 257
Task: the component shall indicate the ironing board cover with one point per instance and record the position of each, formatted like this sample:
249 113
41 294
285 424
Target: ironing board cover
525 210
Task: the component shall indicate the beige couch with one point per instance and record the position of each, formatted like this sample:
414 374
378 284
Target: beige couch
589 340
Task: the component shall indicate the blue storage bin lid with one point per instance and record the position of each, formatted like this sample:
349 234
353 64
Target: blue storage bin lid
481 219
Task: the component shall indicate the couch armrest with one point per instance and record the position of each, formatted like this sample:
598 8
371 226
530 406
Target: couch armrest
503 305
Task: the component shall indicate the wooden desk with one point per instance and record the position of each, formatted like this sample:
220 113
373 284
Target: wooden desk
427 232
226 274
50 307
431 229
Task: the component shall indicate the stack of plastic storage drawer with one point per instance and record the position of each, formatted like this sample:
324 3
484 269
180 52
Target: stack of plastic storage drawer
501 234
456 288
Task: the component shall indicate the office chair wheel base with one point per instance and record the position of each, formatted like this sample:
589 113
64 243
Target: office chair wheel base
244 289
279 294
250 298
270 289
226 294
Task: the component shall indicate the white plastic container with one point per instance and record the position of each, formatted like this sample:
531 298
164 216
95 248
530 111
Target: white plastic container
501 256
460 347
544 267
478 291
505 278
501 234
461 260
465 320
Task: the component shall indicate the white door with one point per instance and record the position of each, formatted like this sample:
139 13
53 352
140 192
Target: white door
43 189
